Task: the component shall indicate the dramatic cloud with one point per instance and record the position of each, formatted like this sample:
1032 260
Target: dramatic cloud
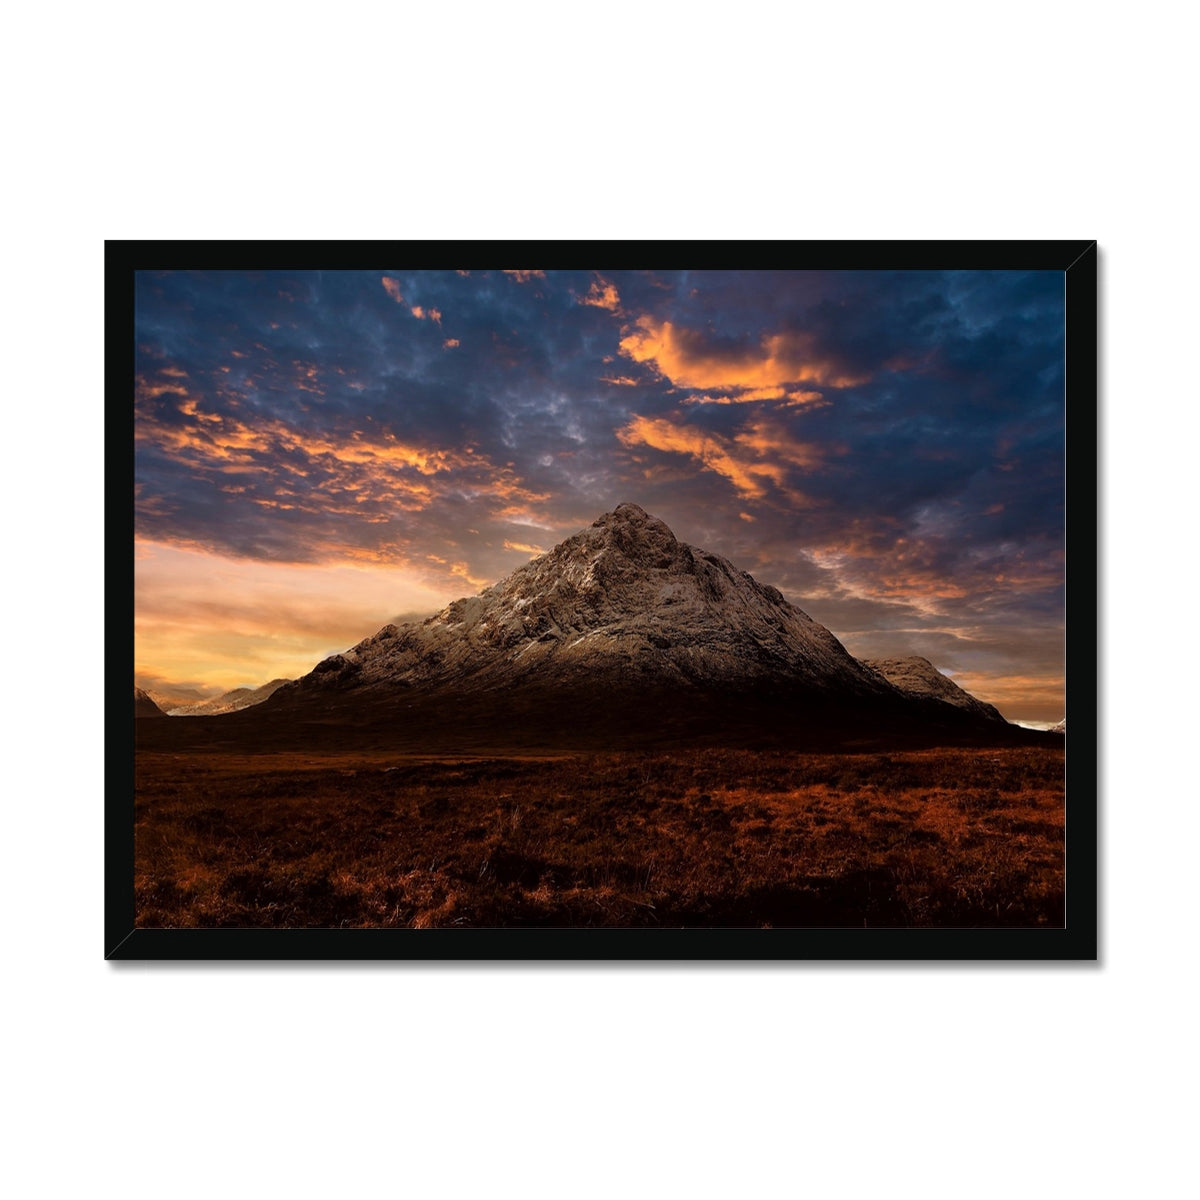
368 476
755 456
691 359
602 294
887 448
524 547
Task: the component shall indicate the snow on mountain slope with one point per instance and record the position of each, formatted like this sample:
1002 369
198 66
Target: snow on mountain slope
623 600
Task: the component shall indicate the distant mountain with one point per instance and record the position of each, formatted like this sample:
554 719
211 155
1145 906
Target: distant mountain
143 706
169 696
916 676
233 701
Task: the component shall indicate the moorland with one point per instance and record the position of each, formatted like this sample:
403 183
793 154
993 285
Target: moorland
925 837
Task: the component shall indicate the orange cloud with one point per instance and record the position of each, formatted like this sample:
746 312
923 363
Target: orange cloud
753 458
767 438
920 585
145 389
418 312
526 276
462 570
686 359
450 343
305 376
869 561
1016 694
619 380
602 294
523 547
189 408
392 287
345 472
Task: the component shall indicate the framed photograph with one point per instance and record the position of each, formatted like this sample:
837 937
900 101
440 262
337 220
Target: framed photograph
636 606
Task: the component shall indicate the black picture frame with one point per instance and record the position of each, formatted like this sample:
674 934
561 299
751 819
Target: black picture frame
1076 940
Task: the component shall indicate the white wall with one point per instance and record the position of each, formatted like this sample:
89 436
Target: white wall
614 120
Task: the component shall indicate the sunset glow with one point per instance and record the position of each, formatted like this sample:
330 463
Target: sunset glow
319 453
214 621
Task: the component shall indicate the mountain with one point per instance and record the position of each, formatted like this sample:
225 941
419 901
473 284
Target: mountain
918 677
621 602
232 701
143 706
620 637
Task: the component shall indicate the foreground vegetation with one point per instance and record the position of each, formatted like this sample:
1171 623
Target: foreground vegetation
733 838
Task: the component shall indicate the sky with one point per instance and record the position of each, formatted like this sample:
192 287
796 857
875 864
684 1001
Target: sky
320 453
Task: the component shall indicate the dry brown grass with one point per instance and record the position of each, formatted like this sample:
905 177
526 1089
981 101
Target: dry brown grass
719 837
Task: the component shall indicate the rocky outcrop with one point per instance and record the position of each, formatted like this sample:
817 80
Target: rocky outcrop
918 677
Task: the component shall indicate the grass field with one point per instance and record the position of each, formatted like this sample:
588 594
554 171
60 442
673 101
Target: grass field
708 838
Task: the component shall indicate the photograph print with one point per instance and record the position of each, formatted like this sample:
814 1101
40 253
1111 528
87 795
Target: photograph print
600 613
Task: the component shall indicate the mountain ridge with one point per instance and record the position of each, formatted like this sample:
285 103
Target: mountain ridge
623 597
231 701
621 637
917 676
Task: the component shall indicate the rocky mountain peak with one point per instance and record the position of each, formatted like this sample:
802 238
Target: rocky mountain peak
621 543
627 569
621 598
623 635
632 531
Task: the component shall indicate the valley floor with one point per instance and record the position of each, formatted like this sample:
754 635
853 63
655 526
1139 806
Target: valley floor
706 838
